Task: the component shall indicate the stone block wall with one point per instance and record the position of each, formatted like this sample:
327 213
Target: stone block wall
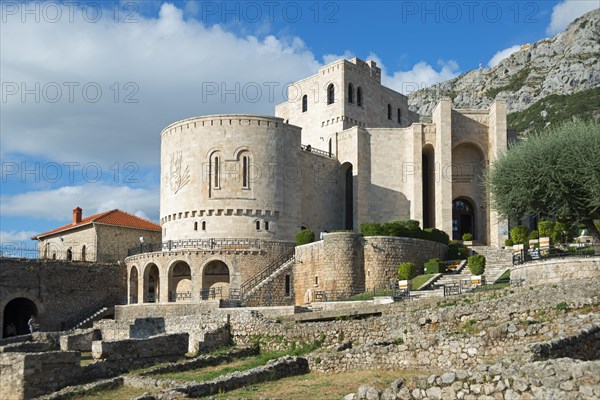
58 289
346 262
163 346
384 254
28 375
556 270
276 291
81 340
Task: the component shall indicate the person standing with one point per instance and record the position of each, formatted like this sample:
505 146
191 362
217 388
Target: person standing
34 324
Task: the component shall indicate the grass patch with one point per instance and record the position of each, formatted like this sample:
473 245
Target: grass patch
213 372
504 278
318 386
86 358
419 280
369 295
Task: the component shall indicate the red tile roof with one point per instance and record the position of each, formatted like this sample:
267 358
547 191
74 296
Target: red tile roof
113 217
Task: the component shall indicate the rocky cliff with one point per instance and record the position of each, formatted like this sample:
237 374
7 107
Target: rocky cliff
563 65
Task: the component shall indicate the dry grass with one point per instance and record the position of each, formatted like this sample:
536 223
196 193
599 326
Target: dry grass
318 386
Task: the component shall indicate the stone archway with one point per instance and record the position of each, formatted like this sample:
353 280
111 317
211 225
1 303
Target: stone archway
16 313
151 284
180 282
133 285
215 280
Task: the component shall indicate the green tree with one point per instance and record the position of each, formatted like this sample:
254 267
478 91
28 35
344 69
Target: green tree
305 236
555 173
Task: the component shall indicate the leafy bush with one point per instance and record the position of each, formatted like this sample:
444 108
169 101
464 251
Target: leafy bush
561 234
305 236
467 237
534 235
435 266
509 243
436 235
476 264
409 229
456 251
545 227
372 229
520 234
407 270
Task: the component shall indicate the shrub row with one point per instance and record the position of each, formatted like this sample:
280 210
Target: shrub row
408 229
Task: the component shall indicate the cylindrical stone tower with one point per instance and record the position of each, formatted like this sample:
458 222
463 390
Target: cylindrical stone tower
229 176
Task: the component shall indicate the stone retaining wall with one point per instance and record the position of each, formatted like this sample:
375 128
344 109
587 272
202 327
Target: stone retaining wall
80 340
163 346
583 346
557 270
562 378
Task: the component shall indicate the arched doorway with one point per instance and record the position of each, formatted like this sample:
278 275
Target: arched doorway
428 181
215 280
463 218
151 284
16 314
180 282
348 196
133 285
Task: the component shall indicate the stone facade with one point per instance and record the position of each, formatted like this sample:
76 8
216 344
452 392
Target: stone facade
55 290
341 151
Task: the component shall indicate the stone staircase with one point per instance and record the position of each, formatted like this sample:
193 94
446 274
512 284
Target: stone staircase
88 322
497 260
260 292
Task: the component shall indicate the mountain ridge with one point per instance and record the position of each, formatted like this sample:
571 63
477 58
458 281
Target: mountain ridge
563 65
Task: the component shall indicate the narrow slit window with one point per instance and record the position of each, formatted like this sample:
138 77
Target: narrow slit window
216 177
257 225
266 225
304 103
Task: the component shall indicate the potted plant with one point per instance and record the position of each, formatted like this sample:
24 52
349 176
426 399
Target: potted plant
467 239
476 265
406 271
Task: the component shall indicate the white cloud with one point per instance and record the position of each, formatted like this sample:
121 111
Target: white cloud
567 11
502 54
57 204
15 236
329 58
421 75
165 63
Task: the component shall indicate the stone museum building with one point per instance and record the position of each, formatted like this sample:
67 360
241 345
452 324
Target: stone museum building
341 151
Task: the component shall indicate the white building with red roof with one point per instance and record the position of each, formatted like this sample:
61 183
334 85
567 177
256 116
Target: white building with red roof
103 237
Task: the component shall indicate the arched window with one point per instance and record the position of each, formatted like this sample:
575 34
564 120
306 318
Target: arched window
83 253
246 171
196 226
350 93
399 116
330 147
69 254
216 172
203 225
359 97
389 111
266 225
257 223
304 103
330 94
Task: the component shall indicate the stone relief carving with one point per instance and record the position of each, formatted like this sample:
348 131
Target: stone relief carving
178 177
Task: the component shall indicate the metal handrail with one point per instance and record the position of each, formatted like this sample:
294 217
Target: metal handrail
213 244
88 312
308 148
266 272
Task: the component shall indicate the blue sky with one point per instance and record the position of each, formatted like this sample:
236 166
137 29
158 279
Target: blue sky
88 86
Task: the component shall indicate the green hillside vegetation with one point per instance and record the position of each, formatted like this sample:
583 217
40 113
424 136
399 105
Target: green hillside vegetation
517 81
560 108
